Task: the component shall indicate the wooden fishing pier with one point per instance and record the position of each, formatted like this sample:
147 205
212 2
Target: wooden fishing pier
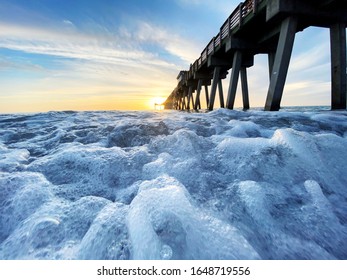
262 27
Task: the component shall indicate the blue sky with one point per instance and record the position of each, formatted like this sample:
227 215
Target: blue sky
110 54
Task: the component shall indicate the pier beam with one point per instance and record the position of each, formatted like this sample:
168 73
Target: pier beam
281 64
244 87
338 66
216 78
234 78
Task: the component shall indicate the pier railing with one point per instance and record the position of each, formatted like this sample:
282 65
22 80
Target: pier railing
233 21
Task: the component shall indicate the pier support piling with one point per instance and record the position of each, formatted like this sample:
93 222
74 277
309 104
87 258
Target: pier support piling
281 64
190 97
244 87
221 95
197 98
207 95
338 66
234 78
271 60
183 105
216 78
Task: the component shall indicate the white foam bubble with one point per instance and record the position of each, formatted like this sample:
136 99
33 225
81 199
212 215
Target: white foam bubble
22 194
173 185
107 237
12 160
163 215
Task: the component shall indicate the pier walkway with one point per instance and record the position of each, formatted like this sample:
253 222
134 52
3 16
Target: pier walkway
262 27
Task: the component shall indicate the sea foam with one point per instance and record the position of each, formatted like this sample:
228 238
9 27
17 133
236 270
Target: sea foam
174 185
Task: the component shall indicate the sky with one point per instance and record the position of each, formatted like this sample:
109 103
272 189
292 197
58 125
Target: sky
122 55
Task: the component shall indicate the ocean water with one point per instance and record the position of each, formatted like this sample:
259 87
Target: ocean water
174 185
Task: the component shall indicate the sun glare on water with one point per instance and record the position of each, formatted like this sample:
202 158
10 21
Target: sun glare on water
157 103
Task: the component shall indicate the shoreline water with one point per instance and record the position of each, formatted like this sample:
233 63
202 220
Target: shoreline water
171 185
284 108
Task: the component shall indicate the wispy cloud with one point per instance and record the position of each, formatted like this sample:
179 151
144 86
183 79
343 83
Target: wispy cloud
93 65
311 57
7 64
173 43
68 22
120 48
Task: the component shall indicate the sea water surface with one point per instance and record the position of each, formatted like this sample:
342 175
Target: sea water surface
174 185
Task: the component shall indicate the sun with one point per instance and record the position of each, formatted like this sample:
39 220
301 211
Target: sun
157 103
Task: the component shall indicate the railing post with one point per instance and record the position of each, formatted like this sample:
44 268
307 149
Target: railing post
240 14
214 43
228 26
255 6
